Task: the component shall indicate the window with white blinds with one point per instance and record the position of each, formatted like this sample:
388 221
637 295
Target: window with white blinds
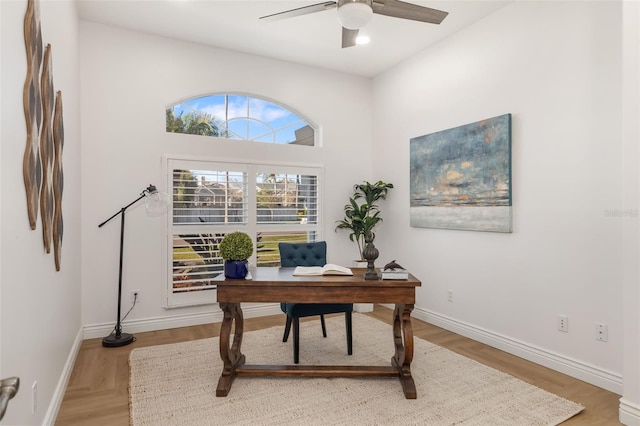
270 202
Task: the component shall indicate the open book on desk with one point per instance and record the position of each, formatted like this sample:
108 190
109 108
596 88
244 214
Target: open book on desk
328 269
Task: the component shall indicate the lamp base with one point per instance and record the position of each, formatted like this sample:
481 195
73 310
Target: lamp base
113 341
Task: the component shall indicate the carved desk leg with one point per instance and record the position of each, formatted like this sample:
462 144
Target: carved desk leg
403 340
231 356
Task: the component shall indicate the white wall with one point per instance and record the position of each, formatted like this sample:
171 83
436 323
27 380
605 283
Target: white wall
128 79
630 401
40 308
556 67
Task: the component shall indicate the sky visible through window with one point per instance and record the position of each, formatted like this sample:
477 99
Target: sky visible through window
246 117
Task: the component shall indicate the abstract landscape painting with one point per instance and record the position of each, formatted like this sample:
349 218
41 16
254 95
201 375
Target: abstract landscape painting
461 177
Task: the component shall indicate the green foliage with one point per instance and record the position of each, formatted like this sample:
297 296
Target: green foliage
362 214
173 124
193 123
184 186
236 246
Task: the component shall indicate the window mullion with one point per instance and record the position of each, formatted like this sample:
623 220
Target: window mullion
252 206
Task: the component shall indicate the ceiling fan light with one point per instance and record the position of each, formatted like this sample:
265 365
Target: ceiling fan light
355 15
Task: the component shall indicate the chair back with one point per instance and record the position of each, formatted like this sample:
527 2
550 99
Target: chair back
303 254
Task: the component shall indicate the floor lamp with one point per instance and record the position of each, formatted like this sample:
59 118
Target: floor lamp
156 204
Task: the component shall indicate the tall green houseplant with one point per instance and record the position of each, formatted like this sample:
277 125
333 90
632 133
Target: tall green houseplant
362 214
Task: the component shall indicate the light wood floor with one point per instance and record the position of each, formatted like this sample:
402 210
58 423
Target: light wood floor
97 393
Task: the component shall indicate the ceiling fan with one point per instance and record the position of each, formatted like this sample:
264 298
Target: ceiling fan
355 14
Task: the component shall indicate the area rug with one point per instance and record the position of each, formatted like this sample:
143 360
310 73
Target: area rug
176 384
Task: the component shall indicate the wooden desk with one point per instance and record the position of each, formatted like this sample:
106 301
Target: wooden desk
278 285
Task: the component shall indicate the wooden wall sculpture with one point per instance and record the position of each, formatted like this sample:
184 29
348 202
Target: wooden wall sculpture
58 179
42 160
32 167
46 150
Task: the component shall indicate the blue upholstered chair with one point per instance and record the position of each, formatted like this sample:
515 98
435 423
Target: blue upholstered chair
309 254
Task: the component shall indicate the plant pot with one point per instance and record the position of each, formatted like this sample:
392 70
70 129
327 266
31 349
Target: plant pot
359 263
236 269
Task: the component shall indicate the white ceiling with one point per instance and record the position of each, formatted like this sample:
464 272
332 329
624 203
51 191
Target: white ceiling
312 39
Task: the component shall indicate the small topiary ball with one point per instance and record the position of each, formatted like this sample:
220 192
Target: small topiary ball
236 246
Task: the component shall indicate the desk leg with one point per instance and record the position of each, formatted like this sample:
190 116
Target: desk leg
231 356
403 340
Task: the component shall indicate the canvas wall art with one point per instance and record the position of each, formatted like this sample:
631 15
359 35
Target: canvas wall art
461 177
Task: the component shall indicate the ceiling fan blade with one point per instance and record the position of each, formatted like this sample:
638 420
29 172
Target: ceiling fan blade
349 37
319 7
400 9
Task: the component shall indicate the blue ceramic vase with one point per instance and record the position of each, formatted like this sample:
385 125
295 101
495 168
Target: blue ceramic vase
236 269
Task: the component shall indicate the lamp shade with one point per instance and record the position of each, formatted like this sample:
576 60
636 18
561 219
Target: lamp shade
157 203
355 15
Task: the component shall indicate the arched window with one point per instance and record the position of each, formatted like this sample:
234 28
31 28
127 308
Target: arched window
241 117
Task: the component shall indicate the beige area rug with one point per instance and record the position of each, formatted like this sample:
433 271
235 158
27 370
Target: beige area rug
176 384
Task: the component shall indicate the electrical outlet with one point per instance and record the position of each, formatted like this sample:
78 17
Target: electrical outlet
563 323
135 296
602 332
34 397
450 296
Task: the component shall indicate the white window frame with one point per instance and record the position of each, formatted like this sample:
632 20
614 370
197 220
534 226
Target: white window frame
170 162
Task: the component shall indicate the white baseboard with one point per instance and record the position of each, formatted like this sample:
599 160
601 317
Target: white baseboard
571 367
629 413
175 321
61 387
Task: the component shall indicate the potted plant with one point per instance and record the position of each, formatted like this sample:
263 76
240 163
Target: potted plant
361 214
235 249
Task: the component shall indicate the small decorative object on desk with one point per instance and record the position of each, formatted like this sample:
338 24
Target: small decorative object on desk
235 248
393 271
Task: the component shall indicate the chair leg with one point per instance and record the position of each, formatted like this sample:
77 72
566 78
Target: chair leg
287 329
324 327
348 323
296 340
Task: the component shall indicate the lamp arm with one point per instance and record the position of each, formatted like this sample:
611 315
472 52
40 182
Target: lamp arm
149 190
